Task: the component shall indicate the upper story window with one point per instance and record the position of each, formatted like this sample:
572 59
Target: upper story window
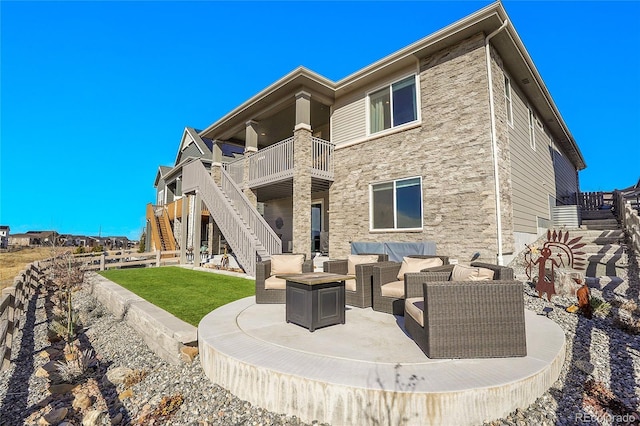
396 205
507 98
532 130
393 105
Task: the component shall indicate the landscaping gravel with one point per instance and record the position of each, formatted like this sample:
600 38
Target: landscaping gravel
600 378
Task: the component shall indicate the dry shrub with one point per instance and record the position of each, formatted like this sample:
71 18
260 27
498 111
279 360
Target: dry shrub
136 376
165 409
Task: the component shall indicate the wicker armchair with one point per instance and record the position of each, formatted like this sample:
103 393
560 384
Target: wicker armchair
466 319
263 271
361 296
387 273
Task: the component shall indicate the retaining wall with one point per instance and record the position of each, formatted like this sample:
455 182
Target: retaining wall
164 333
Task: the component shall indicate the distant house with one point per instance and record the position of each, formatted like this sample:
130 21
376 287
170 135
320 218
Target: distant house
4 236
34 238
453 139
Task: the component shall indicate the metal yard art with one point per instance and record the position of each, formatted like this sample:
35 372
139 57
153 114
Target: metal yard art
558 252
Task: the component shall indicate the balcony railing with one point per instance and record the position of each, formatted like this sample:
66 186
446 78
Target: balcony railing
321 159
275 163
271 164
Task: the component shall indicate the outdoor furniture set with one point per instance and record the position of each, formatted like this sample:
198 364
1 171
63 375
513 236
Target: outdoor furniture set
450 311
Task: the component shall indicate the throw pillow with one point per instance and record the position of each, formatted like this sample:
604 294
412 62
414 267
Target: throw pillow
416 264
470 273
286 263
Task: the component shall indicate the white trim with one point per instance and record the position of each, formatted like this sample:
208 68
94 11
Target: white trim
508 99
402 128
395 207
389 85
532 127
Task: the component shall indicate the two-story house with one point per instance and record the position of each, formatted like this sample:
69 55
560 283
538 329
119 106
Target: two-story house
453 139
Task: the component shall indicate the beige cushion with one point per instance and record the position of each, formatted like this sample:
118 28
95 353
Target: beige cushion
414 306
359 259
414 264
286 263
273 283
350 285
470 273
393 289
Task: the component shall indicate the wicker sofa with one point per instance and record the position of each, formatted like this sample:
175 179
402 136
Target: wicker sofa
387 273
466 319
268 294
357 290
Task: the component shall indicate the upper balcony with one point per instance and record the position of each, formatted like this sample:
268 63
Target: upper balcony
275 164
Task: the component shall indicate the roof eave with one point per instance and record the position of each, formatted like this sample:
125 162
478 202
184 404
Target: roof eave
280 85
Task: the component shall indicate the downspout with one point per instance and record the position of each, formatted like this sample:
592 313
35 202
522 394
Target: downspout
494 137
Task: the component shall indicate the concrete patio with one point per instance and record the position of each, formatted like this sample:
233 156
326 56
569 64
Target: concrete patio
368 371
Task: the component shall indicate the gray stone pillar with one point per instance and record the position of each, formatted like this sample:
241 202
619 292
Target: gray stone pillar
184 229
302 190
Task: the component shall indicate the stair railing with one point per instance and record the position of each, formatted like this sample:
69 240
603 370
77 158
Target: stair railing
235 229
255 221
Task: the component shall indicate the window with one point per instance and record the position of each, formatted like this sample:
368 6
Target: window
507 98
393 105
532 130
396 204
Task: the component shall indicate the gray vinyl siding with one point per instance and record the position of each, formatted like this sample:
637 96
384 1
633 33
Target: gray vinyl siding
566 178
532 170
349 119
190 151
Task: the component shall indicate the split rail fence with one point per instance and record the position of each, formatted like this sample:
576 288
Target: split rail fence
104 260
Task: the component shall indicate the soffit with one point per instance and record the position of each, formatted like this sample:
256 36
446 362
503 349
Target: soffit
274 98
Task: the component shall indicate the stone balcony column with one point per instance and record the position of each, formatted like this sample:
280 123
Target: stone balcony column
250 148
302 175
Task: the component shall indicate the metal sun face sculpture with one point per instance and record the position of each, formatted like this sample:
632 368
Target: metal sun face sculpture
557 252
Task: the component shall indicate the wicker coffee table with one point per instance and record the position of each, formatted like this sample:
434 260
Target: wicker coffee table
315 299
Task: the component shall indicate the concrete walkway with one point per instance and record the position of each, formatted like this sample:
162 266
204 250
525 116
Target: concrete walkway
368 371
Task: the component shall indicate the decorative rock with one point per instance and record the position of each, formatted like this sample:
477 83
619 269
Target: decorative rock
49 353
188 353
81 401
41 372
61 389
54 417
118 374
117 419
92 418
125 394
584 366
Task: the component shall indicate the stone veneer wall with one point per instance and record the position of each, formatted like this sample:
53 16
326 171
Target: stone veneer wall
451 150
302 192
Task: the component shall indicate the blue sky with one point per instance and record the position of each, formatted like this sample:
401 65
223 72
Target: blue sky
95 95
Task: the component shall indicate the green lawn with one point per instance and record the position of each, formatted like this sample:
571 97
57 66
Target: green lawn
187 294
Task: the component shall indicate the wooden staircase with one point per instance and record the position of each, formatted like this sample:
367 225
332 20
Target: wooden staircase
161 232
